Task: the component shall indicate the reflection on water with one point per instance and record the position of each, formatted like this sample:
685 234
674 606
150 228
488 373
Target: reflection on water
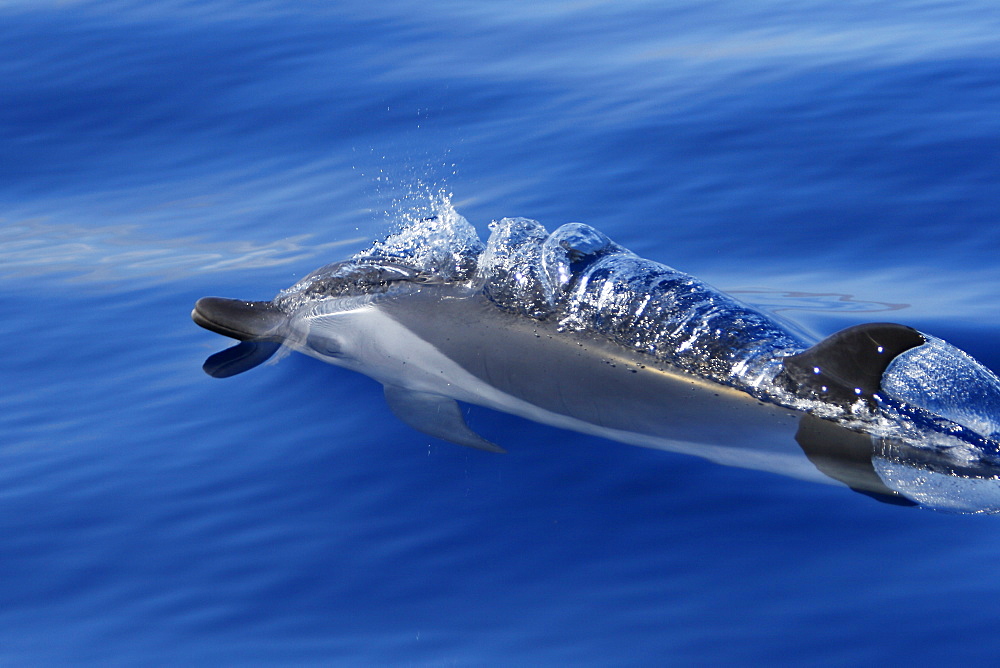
112 253
897 472
934 482
776 301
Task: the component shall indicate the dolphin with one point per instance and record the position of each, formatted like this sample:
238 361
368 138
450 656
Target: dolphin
570 329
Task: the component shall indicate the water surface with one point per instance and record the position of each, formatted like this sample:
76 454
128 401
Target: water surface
839 157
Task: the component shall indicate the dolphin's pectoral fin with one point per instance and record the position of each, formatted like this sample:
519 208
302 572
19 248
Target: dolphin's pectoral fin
241 357
435 415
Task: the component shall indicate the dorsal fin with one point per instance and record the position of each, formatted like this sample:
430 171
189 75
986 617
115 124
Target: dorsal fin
849 364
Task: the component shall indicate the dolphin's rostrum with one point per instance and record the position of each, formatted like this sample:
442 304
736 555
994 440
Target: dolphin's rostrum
572 330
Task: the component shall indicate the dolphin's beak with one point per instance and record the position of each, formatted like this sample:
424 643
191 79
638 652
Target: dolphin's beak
240 320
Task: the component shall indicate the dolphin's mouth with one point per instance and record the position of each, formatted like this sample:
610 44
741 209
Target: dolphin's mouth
238 319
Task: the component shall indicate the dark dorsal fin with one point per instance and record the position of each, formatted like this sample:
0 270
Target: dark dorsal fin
849 365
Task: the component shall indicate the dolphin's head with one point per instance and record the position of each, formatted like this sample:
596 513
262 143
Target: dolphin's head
328 308
359 277
313 315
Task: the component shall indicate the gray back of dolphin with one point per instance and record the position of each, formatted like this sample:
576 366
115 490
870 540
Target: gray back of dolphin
577 374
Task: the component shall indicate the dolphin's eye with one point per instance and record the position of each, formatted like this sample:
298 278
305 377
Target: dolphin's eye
325 344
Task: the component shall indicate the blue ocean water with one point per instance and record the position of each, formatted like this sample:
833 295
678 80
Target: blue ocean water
836 161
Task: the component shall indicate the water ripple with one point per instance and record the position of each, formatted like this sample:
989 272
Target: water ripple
33 248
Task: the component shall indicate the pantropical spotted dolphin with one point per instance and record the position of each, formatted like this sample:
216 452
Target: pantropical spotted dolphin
572 330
